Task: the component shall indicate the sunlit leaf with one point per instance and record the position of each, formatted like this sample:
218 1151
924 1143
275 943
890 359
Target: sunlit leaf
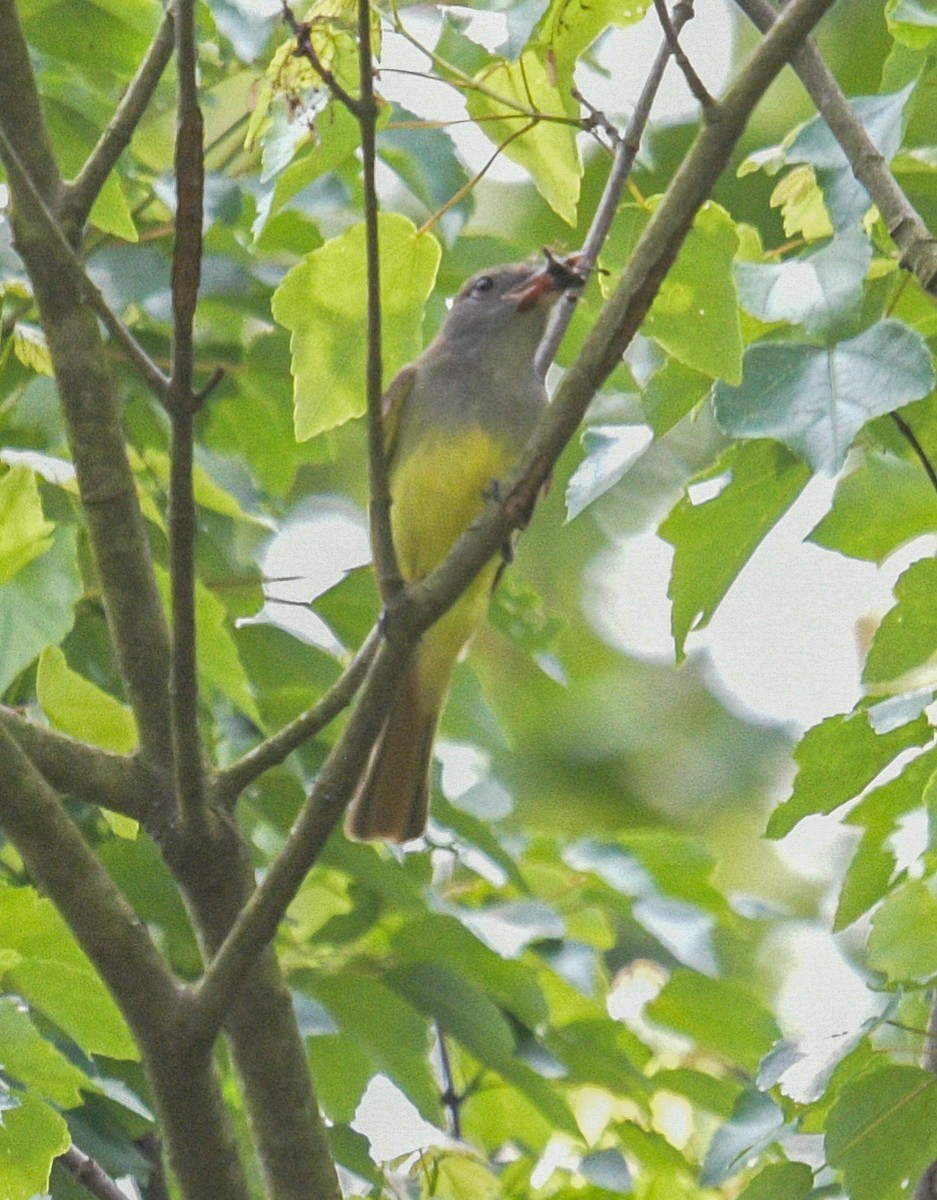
80 708
906 639
780 1181
815 400
323 302
31 1135
25 534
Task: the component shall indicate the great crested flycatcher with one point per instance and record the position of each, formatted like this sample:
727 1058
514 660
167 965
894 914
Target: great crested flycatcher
455 423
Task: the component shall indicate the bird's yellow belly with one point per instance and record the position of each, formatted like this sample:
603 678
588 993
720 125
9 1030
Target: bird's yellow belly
438 491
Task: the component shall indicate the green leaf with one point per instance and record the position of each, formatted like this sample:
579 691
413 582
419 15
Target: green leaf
322 302
609 451
671 393
756 1122
545 148
815 400
836 760
54 976
695 316
32 349
903 940
25 534
219 663
906 639
911 23
882 117
385 1026
780 1181
568 27
714 540
820 289
861 525
882 1131
718 1014
37 605
35 1063
31 1136
462 1177
79 708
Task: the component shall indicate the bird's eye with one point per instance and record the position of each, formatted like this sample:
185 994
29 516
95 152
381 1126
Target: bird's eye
482 285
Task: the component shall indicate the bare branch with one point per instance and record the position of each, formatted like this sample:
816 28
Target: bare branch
626 151
150 372
231 781
91 1175
81 194
905 226
113 781
694 83
188 766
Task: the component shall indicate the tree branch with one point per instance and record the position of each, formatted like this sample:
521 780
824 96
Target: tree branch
694 83
113 781
82 192
626 151
108 491
905 226
387 570
91 1175
425 601
305 49
230 781
188 766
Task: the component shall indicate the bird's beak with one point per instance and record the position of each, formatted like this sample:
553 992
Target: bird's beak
555 277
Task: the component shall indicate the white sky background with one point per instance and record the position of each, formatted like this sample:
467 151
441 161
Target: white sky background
782 643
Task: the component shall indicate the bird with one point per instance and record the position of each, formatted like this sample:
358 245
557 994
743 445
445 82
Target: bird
455 422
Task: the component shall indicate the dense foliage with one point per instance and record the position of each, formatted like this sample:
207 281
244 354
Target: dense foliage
577 978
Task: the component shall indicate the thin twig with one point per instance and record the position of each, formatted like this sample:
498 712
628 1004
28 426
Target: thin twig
386 567
90 1174
451 1098
694 83
626 151
911 438
150 372
425 601
81 194
905 226
232 780
305 49
186 273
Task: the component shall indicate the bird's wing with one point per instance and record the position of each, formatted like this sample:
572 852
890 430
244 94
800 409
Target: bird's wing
392 404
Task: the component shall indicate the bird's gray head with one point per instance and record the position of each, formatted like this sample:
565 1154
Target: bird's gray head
504 310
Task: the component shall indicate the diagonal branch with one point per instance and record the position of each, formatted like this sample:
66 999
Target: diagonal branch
186 276
90 1174
671 37
626 151
82 192
230 781
905 226
424 602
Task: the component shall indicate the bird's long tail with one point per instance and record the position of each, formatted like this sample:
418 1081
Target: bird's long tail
393 798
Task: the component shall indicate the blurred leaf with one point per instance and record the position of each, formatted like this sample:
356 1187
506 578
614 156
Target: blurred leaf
671 393
25 534
903 942
836 760
882 1131
906 637
820 289
718 1014
31 348
35 1063
462 1177
322 302
912 23
714 539
31 1135
79 708
52 974
780 1181
608 1170
37 606
610 451
861 525
756 1122
816 400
